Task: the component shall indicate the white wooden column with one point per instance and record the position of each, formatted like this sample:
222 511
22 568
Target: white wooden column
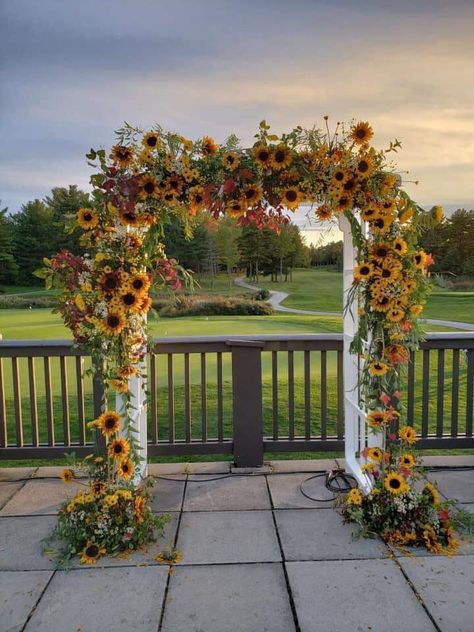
356 432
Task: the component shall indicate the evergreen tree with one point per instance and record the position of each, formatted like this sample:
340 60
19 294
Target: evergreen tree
64 204
8 265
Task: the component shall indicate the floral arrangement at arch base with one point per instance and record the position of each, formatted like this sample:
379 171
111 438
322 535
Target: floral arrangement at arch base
151 176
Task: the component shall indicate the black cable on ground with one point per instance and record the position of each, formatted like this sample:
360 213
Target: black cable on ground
337 482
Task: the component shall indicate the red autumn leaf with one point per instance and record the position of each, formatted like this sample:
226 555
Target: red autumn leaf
245 174
229 185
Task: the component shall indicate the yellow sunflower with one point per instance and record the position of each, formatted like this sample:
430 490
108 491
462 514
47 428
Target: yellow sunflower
129 218
365 166
354 497
324 212
262 155
375 454
126 469
67 475
378 368
196 199
361 132
339 177
252 194
281 157
363 271
139 283
407 434
91 553
230 160
419 259
416 309
98 488
407 460
400 246
149 187
118 448
369 213
406 215
292 198
130 301
381 224
114 323
431 489
344 203
209 146
109 422
381 303
431 539
87 218
377 419
380 251
395 315
118 385
438 214
395 483
122 155
151 141
145 305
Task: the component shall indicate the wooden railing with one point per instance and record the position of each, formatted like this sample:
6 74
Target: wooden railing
240 395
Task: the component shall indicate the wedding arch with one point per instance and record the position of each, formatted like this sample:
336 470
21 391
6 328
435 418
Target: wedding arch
152 175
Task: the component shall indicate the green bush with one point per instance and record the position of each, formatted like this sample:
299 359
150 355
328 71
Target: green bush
262 295
26 302
215 306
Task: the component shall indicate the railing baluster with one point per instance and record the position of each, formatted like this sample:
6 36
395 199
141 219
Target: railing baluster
411 390
33 402
291 396
340 394
153 398
275 394
324 399
469 392
65 401
187 400
171 430
307 395
455 394
17 402
3 411
49 401
203 398
80 400
426 393
440 398
220 399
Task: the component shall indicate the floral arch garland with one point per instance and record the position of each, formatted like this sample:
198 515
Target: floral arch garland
149 176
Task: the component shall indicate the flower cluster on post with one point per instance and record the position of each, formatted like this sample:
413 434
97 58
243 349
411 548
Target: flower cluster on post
151 175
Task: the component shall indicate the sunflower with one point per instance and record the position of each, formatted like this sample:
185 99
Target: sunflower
98 488
381 303
111 500
387 273
400 246
431 539
407 434
407 460
354 497
252 194
339 176
173 184
378 368
129 218
230 160
118 385
361 132
139 283
438 213
324 212
109 282
118 448
419 260
375 454
209 146
87 218
145 305
139 508
406 215
91 553
395 483
281 157
67 475
365 166
262 155
130 301
292 198
149 187
196 199
236 208
397 354
151 141
128 371
369 213
109 422
416 310
388 206
114 323
381 224
377 419
344 202
363 271
122 155
431 489
395 315
380 251
126 469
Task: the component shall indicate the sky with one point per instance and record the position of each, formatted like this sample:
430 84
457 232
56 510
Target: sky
72 71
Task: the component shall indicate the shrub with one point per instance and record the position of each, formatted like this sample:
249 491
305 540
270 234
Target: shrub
215 306
262 295
26 302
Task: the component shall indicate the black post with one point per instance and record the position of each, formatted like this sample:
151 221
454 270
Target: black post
247 400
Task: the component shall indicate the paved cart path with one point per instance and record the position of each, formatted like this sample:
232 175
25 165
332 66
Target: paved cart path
276 298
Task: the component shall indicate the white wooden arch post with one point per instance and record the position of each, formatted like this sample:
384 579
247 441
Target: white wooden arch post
356 430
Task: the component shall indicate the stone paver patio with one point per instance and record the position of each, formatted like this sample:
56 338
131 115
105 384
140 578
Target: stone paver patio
256 556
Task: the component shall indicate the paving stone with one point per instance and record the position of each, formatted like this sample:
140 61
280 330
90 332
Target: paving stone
243 598
456 485
15 473
19 593
232 492
286 492
111 599
349 596
40 498
21 543
446 586
466 548
168 494
7 490
224 537
51 471
460 460
216 467
319 534
292 466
